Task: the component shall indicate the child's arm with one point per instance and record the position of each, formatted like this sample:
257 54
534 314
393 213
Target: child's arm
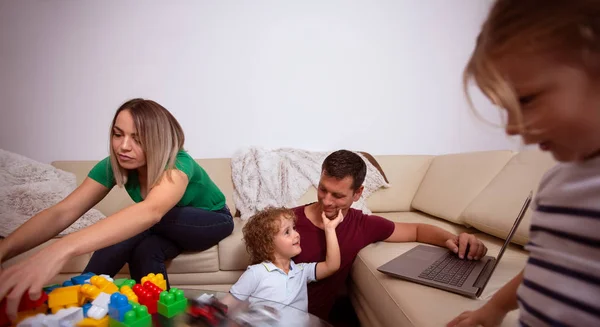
332 258
493 312
231 302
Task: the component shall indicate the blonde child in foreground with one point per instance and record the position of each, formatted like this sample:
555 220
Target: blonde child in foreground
272 241
540 61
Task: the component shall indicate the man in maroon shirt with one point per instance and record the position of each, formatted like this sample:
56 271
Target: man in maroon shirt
342 175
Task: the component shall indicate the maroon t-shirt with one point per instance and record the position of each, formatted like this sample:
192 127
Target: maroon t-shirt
354 233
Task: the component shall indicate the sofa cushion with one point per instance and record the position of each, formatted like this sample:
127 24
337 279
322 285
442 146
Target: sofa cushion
453 181
404 173
411 304
232 250
495 209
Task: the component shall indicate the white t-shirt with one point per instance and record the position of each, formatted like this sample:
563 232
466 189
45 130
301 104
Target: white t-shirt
266 284
561 285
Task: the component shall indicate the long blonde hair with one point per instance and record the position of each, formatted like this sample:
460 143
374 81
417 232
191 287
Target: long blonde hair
567 29
161 138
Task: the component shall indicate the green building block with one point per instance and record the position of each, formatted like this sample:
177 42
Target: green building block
138 316
124 281
171 303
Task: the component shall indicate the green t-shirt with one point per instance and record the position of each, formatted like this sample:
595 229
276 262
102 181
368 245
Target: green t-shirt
201 191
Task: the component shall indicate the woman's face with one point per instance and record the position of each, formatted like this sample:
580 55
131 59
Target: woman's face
126 142
560 106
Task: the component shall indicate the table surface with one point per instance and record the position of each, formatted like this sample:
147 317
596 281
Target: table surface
287 315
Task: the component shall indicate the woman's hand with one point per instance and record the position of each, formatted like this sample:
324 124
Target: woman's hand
30 275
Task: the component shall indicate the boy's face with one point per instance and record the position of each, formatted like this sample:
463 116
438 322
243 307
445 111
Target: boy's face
287 240
560 105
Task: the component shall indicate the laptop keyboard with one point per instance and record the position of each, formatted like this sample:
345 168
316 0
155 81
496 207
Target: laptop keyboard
449 269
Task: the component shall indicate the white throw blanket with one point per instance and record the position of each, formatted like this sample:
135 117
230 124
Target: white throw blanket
263 178
28 187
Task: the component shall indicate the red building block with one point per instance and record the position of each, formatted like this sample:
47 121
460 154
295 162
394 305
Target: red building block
148 295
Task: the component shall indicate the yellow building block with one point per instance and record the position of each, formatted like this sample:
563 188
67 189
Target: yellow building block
104 285
89 292
65 297
91 322
128 292
158 280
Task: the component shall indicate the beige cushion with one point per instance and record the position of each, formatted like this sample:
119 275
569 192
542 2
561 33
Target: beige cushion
404 173
232 250
410 304
454 180
495 209
219 171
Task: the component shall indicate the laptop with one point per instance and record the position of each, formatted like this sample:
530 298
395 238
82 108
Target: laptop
441 268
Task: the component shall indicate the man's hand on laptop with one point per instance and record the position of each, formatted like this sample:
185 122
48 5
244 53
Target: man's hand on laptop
467 245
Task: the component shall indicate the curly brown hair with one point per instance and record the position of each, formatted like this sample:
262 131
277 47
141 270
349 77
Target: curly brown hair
260 231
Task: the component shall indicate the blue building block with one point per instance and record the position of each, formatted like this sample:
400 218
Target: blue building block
118 306
85 308
80 280
67 283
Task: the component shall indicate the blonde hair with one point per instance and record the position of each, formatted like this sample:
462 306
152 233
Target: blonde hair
260 231
161 138
567 30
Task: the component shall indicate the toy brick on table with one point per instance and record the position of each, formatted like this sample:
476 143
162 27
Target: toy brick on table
118 306
138 316
171 303
148 295
104 285
129 293
65 297
91 322
158 280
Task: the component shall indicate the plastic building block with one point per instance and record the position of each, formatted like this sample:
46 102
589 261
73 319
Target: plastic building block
89 292
81 279
64 317
118 306
99 307
65 297
148 295
91 322
127 282
67 283
138 316
23 315
50 288
158 280
119 282
27 307
85 308
171 303
103 284
129 293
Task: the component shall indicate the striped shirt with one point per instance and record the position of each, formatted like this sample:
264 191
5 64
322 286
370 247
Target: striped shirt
561 284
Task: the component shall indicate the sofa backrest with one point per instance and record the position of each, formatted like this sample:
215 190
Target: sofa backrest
453 181
404 174
496 207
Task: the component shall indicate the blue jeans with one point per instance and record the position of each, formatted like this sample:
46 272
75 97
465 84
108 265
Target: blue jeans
181 229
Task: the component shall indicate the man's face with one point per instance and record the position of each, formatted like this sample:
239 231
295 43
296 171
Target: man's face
336 194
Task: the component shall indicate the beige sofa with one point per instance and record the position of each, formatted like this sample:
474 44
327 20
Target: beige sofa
478 192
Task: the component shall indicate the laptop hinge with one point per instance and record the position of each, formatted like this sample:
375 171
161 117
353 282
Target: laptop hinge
485 274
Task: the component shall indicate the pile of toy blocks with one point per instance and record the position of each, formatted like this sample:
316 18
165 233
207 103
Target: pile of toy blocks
91 300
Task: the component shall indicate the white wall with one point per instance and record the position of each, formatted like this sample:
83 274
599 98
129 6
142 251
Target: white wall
379 76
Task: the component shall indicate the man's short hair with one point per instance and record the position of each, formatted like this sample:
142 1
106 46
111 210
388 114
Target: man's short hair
343 163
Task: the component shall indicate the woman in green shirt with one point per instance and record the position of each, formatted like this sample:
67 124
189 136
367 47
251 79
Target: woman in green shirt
177 208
